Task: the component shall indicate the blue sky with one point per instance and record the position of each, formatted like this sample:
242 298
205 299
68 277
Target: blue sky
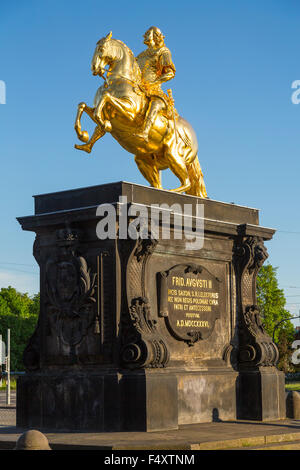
235 60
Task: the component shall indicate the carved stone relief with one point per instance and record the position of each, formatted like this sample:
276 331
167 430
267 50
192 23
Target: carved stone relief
142 344
256 347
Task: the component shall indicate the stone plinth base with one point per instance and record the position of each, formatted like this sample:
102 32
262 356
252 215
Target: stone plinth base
206 396
261 394
124 401
106 402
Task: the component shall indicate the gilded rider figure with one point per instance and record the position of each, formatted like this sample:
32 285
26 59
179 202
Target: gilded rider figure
129 105
157 67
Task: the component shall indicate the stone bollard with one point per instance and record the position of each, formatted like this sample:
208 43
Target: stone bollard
293 405
32 440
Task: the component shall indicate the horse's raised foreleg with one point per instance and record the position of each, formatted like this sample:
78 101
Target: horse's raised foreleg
123 106
147 166
97 134
90 112
98 117
82 135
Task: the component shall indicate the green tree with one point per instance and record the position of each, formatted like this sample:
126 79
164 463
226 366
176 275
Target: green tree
19 313
271 301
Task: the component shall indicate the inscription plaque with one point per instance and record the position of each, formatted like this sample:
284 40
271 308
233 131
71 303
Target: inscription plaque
189 301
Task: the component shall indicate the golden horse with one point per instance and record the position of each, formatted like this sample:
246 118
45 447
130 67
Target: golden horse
119 108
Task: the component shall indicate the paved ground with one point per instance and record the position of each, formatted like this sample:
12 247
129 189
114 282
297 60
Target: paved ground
3 398
240 435
7 412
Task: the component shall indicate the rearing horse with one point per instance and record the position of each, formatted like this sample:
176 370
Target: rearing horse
119 108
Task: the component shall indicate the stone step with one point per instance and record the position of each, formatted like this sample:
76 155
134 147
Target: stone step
283 435
268 442
292 445
271 442
282 446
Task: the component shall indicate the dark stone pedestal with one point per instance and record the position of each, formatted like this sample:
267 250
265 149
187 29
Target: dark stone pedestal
261 394
206 396
146 333
104 401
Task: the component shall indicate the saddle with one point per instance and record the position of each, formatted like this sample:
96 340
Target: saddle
154 91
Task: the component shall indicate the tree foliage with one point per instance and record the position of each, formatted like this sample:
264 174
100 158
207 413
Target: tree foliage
18 312
275 317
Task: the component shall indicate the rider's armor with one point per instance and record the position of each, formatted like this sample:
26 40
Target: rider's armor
153 64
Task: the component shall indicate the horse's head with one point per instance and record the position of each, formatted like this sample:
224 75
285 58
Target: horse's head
103 55
110 52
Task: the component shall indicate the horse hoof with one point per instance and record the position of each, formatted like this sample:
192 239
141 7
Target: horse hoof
107 126
185 187
86 148
84 136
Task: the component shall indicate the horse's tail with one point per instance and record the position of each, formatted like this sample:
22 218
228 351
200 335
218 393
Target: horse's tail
197 180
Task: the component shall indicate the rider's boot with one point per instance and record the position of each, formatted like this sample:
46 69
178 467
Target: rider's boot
98 133
155 107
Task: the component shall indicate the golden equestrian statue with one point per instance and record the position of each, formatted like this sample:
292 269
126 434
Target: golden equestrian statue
132 106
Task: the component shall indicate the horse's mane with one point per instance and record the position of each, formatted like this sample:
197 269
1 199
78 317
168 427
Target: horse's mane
124 45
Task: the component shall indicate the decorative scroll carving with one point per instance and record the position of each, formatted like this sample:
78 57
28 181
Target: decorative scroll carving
256 346
194 337
145 247
142 343
250 254
228 353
